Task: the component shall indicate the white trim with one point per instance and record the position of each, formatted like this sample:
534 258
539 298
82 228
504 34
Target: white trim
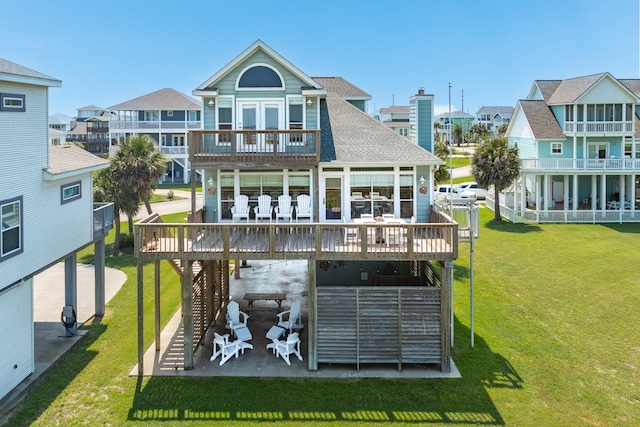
261 88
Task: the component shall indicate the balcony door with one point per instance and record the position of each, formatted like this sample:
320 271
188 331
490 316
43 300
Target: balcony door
260 115
331 203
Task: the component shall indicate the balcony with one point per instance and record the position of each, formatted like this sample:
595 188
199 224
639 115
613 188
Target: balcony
599 128
119 125
586 165
102 219
254 148
326 241
98 129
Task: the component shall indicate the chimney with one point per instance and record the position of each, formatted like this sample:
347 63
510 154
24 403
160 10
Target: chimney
420 91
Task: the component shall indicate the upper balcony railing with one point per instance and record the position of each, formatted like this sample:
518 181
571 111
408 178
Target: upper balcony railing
117 125
599 128
103 217
569 165
228 148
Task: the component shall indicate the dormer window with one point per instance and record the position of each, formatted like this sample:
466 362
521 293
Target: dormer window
260 77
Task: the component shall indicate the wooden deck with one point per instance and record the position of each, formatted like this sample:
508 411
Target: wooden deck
225 241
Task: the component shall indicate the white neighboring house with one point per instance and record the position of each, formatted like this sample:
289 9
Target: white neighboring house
47 213
166 116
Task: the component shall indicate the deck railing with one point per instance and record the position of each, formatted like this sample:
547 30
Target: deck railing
262 147
220 241
153 124
600 128
102 218
559 165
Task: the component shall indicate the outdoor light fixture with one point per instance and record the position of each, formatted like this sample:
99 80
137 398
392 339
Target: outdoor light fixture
309 102
422 180
212 188
423 188
211 181
211 103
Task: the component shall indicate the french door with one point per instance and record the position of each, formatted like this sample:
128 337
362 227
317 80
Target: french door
331 200
260 115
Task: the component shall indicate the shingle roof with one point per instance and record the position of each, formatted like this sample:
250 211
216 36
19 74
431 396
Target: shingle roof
395 109
341 87
163 99
91 108
570 89
541 120
8 67
80 128
547 87
69 158
351 136
493 110
632 84
456 115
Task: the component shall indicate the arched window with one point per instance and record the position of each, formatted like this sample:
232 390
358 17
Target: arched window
260 76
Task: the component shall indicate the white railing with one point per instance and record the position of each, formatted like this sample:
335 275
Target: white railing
615 164
599 127
142 124
565 216
179 150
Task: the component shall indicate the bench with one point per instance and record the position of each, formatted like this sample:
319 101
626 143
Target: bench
278 297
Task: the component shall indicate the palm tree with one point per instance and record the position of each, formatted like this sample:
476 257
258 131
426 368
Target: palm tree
107 189
441 149
138 166
458 134
436 131
477 133
502 130
495 164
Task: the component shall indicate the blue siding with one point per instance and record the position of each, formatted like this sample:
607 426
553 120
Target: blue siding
361 105
178 116
558 112
424 117
544 150
423 201
526 147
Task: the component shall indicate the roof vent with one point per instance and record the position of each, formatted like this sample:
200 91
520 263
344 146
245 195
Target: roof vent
420 91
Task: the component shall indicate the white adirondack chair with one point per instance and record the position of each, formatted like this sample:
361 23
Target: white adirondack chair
350 233
236 319
283 210
264 208
224 348
291 319
284 348
240 208
303 210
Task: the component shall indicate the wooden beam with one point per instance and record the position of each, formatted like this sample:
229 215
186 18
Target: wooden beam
187 312
156 271
312 343
140 318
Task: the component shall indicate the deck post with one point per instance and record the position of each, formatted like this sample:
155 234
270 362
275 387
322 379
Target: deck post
187 312
140 318
156 280
313 316
99 276
446 329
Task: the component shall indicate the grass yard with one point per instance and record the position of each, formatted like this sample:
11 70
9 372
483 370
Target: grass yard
556 344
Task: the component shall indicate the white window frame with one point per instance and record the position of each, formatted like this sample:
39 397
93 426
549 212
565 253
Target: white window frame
19 249
70 192
555 146
5 106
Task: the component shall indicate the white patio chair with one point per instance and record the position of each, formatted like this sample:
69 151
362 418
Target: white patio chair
240 208
366 216
303 210
350 233
284 348
291 319
387 216
264 210
223 347
236 319
283 210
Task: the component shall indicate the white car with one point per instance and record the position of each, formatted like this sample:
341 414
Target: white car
443 192
481 193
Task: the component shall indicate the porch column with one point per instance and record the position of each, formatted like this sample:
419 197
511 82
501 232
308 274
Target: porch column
537 195
187 312
603 194
576 194
566 193
515 195
545 192
312 343
523 194
446 311
633 192
594 192
622 195
71 294
99 277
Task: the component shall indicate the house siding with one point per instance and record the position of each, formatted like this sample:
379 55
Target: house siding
558 112
606 92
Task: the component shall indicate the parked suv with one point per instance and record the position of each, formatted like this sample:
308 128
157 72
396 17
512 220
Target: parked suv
443 192
481 193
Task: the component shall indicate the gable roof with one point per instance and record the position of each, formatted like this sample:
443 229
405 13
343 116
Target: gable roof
541 120
351 136
69 160
395 109
91 108
12 72
257 45
546 87
570 90
163 99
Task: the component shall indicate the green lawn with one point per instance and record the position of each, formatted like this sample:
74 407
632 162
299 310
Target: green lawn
556 344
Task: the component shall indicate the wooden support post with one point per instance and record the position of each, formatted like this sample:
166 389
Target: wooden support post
140 318
312 321
187 312
446 327
156 272
99 277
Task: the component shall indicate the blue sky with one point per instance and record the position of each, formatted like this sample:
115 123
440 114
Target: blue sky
109 52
